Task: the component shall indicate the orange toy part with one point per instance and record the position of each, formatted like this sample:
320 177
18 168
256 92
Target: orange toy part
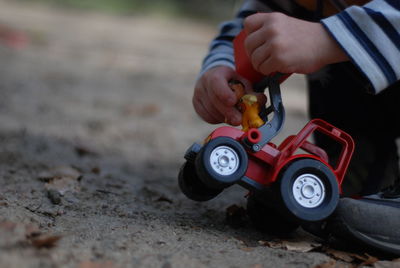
248 105
250 113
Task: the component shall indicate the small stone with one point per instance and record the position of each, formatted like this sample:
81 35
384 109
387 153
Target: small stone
54 196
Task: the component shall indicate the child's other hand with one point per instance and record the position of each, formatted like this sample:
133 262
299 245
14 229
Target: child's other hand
214 100
279 43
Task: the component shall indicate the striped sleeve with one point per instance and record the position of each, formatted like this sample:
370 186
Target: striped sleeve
221 48
370 35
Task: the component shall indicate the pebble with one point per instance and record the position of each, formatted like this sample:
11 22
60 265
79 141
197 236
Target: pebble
54 196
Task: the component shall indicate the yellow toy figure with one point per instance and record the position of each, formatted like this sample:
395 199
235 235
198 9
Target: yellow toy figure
249 105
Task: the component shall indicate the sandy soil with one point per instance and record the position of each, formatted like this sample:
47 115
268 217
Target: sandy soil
95 115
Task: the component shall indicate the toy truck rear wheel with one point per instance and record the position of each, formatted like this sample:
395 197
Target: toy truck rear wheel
221 162
308 190
192 186
267 218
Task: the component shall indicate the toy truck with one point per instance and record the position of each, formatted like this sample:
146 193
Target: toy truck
289 184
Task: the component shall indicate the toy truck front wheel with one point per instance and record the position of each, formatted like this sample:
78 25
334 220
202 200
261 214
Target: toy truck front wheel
221 162
192 186
308 190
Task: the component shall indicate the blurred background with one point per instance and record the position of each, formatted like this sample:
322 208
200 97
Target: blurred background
207 10
104 87
118 71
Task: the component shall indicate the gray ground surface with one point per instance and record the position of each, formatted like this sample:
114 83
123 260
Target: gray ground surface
99 109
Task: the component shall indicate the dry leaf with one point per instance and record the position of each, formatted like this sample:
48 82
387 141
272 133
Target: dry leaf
340 255
96 170
387 264
91 264
61 179
32 230
241 241
369 260
164 199
8 225
63 185
271 244
329 264
45 241
247 249
15 233
300 246
147 110
361 260
59 171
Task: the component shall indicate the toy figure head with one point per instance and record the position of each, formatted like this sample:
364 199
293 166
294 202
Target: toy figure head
250 99
237 87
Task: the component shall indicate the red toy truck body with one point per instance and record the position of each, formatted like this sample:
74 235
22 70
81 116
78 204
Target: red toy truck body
264 165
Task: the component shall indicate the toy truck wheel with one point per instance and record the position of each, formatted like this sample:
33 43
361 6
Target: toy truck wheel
308 190
267 218
192 186
221 162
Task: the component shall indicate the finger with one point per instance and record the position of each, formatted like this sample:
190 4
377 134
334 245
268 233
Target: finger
213 111
231 114
199 96
217 87
204 113
253 41
259 56
209 106
247 85
267 67
253 23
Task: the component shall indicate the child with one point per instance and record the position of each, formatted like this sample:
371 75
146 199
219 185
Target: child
351 56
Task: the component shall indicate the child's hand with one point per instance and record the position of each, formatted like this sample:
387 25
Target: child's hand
214 100
279 43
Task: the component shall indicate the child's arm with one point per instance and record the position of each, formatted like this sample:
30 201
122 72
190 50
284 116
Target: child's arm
213 100
370 35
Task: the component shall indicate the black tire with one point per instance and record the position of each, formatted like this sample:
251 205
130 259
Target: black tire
192 186
308 190
267 218
223 150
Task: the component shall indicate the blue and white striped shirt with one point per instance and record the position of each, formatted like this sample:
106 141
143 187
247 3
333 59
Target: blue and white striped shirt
369 34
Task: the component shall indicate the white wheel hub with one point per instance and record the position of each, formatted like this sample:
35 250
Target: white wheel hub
224 160
308 191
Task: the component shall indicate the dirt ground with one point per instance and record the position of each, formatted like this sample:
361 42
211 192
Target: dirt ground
95 115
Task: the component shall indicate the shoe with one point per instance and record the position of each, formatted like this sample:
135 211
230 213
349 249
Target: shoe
372 221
